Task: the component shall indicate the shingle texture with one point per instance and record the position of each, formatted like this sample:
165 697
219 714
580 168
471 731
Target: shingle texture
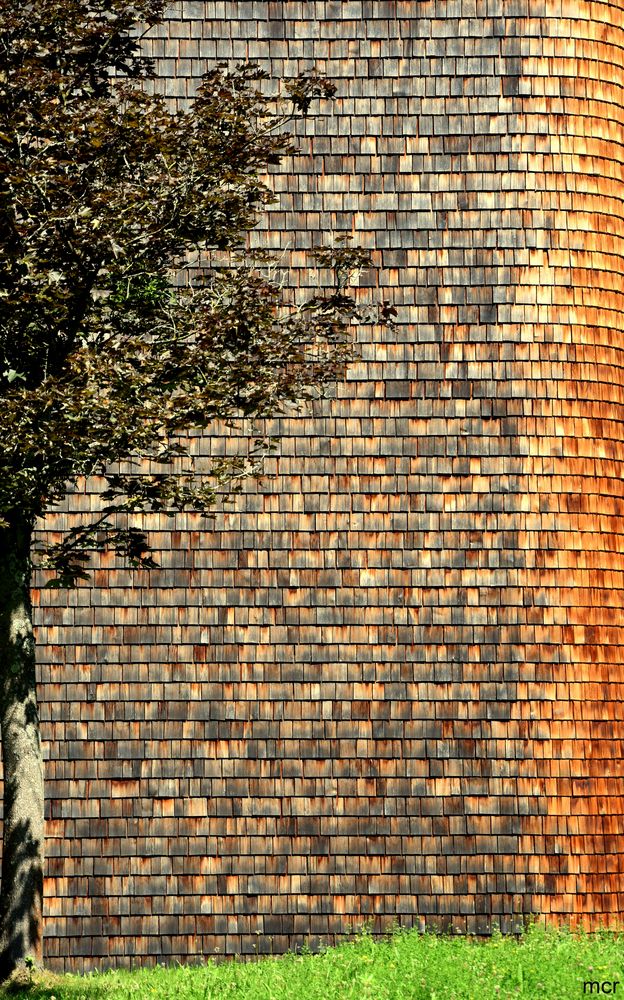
388 682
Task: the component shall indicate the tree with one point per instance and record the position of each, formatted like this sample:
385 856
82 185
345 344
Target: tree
107 353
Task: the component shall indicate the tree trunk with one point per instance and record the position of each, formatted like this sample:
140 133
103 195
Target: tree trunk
21 889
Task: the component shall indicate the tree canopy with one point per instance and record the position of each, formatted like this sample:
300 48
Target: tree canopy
108 353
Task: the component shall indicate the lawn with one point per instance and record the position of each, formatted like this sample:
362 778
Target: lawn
406 965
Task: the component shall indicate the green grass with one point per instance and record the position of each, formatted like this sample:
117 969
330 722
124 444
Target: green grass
404 966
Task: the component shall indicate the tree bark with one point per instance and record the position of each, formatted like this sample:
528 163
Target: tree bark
21 889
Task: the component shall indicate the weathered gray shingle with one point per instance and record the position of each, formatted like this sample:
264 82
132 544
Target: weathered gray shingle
387 682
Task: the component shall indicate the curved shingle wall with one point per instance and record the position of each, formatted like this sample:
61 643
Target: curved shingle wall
387 684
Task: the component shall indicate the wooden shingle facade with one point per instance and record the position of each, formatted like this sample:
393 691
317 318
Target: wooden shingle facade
387 683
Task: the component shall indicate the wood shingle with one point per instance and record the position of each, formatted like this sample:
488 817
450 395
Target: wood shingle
386 681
